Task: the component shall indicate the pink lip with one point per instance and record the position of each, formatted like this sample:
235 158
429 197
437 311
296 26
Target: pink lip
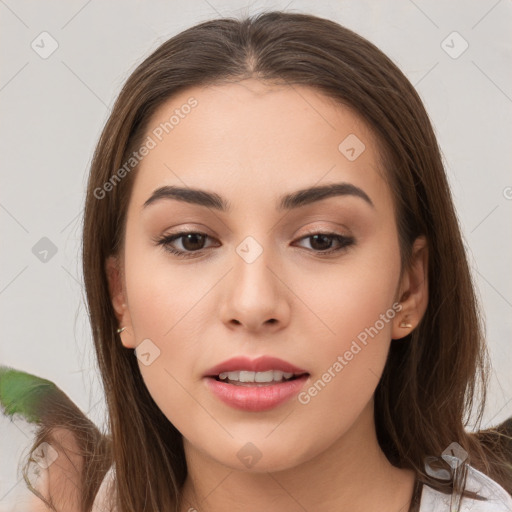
255 398
261 364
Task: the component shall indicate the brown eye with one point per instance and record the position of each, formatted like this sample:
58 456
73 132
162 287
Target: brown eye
322 243
191 242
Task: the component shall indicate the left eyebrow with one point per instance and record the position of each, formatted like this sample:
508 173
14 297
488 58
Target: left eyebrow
290 201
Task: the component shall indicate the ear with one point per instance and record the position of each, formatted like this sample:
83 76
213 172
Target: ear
413 291
118 297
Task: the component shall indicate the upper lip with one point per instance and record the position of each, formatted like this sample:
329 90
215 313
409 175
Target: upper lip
260 364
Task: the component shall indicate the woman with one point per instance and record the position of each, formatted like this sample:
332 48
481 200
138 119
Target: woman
269 229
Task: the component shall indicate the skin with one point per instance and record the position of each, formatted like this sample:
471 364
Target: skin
251 142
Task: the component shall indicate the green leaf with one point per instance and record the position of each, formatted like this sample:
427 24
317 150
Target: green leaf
24 394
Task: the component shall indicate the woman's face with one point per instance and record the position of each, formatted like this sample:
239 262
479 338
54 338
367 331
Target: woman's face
255 280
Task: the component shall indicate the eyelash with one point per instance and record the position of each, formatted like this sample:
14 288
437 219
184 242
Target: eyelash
165 241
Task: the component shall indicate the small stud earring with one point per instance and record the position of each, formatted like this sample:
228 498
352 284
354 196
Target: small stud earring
120 330
405 325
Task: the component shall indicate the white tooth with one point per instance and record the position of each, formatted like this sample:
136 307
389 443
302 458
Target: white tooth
278 375
246 376
264 376
223 375
233 375
287 375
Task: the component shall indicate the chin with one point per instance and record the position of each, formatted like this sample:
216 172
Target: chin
261 456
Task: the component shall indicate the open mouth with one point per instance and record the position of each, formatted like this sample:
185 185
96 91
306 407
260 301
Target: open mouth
255 385
256 391
257 379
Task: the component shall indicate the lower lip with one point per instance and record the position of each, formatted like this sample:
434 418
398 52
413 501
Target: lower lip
255 398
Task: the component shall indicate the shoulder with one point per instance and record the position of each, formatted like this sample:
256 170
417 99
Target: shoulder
497 499
53 472
55 475
104 497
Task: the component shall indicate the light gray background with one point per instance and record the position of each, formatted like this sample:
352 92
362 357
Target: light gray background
53 110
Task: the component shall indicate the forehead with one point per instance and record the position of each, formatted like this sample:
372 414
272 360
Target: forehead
262 139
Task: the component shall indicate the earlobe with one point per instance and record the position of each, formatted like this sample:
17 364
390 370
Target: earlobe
126 335
413 291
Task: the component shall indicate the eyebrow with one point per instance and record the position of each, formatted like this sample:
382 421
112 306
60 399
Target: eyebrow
290 201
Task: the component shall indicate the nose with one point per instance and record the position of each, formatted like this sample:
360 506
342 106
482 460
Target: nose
255 295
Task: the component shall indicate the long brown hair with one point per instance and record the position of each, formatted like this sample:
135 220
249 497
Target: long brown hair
433 379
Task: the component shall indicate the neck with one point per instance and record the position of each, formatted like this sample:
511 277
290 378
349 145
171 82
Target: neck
353 474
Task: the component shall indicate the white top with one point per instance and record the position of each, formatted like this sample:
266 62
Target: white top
498 499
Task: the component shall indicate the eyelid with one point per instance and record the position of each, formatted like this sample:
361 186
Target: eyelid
328 231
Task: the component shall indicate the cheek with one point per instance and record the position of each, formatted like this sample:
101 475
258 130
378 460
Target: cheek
160 293
355 306
352 296
162 303
162 313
